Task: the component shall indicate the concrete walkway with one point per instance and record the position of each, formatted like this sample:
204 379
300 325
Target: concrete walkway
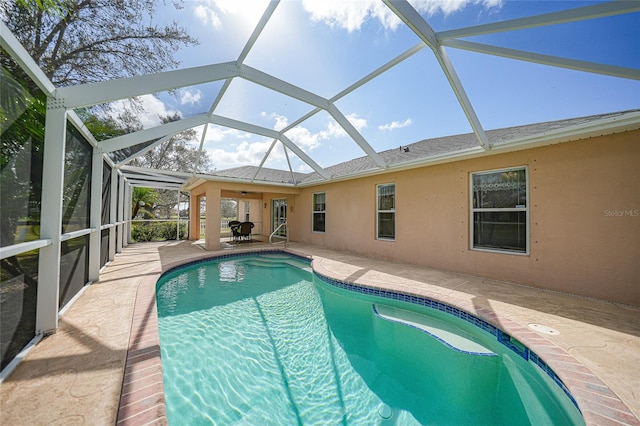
75 376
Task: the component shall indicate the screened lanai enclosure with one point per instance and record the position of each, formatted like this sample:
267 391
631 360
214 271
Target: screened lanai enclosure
284 94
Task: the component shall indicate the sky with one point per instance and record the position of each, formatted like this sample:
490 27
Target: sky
326 46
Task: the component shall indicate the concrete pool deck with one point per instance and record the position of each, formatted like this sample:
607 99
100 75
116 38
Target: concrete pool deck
102 366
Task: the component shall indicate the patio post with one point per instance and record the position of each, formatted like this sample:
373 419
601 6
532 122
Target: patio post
51 217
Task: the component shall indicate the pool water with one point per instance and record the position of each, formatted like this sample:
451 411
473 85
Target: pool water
259 340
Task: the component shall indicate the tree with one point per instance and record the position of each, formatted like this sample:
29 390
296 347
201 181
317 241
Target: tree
82 41
175 154
22 117
229 208
143 199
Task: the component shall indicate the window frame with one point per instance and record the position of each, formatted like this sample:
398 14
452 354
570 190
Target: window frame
314 212
473 210
379 211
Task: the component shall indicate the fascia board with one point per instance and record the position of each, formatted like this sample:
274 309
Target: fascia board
628 122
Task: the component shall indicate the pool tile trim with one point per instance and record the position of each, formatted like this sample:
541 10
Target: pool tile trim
597 403
502 337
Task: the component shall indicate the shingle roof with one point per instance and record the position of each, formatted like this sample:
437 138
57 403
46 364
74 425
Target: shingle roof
415 152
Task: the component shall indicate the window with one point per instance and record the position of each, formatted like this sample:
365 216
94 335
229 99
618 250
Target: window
319 207
386 211
500 211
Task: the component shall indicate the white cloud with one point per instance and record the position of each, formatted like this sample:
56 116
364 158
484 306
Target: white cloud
216 13
351 14
151 109
217 134
303 137
189 97
396 125
448 7
281 120
208 16
358 123
308 141
246 153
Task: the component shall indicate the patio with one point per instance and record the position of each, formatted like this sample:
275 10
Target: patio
76 375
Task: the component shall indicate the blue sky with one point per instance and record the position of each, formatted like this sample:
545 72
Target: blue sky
325 46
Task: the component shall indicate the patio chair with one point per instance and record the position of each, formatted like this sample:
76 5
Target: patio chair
234 225
245 230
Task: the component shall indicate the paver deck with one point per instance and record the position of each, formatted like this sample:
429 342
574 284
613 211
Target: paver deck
102 367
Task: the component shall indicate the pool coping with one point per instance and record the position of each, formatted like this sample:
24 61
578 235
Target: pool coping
142 399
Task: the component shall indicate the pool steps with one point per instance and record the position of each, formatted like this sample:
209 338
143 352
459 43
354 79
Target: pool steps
440 330
279 261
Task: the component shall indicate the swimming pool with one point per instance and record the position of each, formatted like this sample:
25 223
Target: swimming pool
264 340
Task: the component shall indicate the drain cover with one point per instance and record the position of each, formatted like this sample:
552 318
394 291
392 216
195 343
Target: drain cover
385 411
544 329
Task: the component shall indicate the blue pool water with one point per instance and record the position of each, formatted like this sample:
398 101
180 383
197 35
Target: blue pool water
261 340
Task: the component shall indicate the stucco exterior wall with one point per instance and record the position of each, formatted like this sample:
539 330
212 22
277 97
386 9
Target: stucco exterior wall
584 200
259 197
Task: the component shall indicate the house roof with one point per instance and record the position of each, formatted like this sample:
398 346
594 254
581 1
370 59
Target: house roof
448 148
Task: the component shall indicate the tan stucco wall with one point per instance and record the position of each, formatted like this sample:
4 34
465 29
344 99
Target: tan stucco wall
259 196
584 214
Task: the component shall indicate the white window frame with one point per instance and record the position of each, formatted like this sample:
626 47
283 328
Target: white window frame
525 209
378 211
314 212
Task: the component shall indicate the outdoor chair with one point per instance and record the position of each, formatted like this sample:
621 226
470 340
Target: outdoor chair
234 225
245 231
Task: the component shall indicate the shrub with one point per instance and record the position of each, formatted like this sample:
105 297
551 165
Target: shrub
156 231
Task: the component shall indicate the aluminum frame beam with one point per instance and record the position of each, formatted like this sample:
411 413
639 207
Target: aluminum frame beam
555 61
15 50
263 131
356 136
144 150
52 189
601 10
131 175
85 95
157 185
422 29
131 139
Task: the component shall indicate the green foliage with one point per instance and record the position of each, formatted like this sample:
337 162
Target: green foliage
143 200
102 128
77 42
176 154
22 118
156 231
58 7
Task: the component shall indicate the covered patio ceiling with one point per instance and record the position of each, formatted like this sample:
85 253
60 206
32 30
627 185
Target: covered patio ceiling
413 42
